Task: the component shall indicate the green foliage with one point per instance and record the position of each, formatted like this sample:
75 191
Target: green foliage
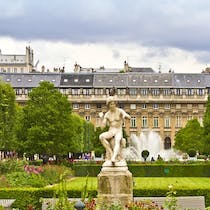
171 200
46 126
191 152
7 116
19 179
145 154
151 170
191 136
12 165
206 123
52 173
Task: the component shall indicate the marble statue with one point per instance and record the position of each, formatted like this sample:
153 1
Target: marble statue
112 139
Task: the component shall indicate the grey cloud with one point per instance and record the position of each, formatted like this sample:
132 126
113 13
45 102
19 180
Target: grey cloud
152 23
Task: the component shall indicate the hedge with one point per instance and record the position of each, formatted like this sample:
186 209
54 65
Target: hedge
151 170
26 196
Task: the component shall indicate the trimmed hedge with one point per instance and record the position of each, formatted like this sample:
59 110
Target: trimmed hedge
151 170
24 197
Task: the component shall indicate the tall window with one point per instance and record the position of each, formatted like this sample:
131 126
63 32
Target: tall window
87 92
144 92
200 92
178 91
155 106
87 117
133 91
166 92
144 122
99 91
144 106
75 91
167 122
155 122
121 91
133 122
87 106
155 92
178 121
189 92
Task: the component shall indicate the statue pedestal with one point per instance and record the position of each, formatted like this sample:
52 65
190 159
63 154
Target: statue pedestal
115 186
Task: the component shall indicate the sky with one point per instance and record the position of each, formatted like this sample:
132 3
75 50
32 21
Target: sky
161 34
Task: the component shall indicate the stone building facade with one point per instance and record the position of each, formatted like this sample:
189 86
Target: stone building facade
163 102
14 63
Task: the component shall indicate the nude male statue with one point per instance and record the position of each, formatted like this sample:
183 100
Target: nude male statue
114 118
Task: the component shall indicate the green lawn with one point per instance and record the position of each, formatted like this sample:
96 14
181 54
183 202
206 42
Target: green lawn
147 183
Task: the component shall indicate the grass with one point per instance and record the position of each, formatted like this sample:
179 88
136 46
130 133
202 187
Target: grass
147 183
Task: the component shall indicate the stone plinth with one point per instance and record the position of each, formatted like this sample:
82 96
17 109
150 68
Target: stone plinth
115 185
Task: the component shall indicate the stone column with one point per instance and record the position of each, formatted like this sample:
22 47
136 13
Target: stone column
115 186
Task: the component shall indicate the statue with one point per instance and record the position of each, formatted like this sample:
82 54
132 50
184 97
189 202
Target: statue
112 139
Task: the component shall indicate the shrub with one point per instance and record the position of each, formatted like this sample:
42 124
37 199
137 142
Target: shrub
145 154
192 152
12 165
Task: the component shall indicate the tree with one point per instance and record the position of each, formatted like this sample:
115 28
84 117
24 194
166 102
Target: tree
206 123
145 154
7 116
190 137
46 122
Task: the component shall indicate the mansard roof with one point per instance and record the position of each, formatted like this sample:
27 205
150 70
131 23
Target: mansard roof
77 80
30 80
189 80
108 80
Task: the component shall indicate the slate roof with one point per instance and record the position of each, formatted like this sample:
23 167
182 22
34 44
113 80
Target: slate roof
30 80
76 80
189 80
103 80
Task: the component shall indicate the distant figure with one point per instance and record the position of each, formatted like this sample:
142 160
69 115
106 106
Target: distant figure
152 159
113 140
159 157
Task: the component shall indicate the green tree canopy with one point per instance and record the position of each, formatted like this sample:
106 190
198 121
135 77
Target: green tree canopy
190 137
7 116
46 126
206 123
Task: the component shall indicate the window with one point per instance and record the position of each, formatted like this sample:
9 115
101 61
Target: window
155 92
133 106
155 122
133 91
144 122
144 106
65 80
19 79
178 121
98 106
167 106
87 117
133 122
98 91
87 92
15 70
155 106
166 92
76 80
75 91
75 106
121 91
200 92
98 122
189 92
178 92
87 106
19 91
167 122
144 92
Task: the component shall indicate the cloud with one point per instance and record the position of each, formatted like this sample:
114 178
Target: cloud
159 23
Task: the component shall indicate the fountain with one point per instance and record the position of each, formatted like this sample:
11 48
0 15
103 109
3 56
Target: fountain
151 141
